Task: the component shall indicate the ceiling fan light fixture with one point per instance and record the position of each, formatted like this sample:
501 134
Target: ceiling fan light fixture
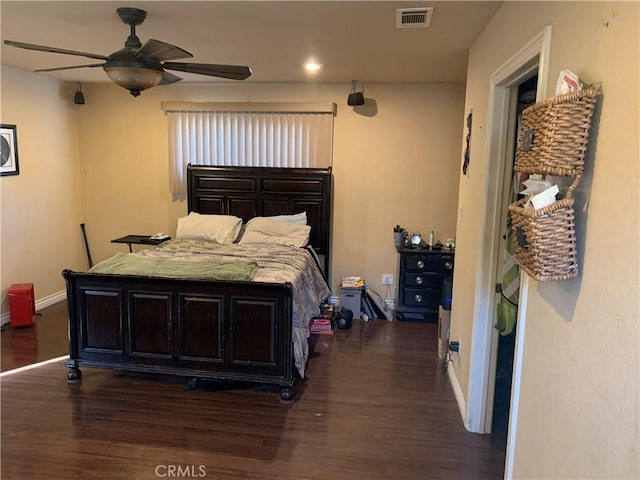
134 79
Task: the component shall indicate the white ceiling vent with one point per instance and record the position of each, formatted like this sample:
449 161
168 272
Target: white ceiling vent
413 17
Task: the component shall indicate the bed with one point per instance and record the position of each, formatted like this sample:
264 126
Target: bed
213 329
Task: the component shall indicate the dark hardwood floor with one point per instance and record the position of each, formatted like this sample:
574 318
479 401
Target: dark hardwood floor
46 339
376 404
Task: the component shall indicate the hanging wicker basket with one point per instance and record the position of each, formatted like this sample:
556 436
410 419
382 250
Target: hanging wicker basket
545 240
555 133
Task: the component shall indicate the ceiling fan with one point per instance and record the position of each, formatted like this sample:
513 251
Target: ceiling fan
137 67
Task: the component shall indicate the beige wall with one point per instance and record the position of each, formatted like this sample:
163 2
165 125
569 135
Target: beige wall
578 408
40 208
397 162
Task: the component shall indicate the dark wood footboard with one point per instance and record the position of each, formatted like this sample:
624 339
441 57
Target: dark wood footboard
208 330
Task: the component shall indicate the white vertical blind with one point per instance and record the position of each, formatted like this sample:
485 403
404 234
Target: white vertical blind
251 135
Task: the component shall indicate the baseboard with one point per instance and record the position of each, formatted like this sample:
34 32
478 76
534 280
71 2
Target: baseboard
51 299
40 304
457 392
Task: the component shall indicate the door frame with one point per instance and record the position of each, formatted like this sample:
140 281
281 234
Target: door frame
534 55
505 197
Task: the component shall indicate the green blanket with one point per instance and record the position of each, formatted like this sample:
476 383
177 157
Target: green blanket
126 264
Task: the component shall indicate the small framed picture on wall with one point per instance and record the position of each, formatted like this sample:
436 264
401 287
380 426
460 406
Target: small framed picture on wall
8 150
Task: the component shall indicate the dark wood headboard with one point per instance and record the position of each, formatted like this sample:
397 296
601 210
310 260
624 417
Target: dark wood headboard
248 192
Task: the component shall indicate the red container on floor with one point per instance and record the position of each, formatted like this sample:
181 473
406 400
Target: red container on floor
22 305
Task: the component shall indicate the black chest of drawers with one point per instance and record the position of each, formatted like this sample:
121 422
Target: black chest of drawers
420 280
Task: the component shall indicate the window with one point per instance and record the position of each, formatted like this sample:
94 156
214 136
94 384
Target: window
289 135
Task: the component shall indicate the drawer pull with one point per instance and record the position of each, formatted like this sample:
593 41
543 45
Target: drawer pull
420 264
448 265
419 280
418 298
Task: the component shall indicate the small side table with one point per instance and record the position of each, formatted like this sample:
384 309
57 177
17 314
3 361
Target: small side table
139 239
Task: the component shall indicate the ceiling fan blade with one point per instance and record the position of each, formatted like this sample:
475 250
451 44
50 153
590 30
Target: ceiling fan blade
234 72
162 51
55 69
168 78
42 48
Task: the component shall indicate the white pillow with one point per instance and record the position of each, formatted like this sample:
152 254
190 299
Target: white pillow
217 228
263 230
296 219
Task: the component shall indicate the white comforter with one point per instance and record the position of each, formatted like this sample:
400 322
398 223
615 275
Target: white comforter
276 264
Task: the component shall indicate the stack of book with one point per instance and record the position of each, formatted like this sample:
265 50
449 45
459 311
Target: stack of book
323 323
321 326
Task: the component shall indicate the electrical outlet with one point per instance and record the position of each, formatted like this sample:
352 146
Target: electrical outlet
455 347
387 279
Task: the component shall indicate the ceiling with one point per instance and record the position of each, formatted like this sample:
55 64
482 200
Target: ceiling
351 39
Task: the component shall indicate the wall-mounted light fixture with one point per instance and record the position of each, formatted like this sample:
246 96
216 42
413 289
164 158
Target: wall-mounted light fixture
78 98
355 98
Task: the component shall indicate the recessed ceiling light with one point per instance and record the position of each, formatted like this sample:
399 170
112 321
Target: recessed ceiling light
312 67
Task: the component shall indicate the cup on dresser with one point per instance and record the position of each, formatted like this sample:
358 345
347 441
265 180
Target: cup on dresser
398 239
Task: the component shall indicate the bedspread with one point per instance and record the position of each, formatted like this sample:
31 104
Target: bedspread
213 269
276 264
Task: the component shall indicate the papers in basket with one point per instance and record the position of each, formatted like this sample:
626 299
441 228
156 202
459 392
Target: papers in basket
568 82
541 193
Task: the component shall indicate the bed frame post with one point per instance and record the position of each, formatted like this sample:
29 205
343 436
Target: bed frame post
74 374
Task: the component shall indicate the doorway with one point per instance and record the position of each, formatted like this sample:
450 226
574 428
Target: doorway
508 278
